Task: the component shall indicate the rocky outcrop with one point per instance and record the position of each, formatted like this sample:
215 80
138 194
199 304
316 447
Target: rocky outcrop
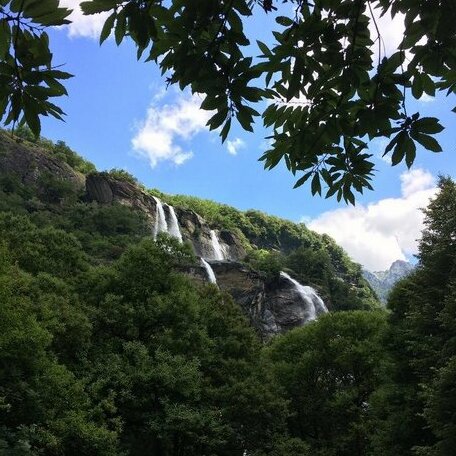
273 307
106 189
31 165
383 281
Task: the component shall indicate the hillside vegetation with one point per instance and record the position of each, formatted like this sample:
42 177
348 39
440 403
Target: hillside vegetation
107 350
274 244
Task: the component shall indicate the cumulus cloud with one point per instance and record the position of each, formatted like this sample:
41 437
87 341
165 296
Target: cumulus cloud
162 134
416 180
235 145
83 26
387 230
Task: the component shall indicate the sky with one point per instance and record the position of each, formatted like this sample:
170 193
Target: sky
120 114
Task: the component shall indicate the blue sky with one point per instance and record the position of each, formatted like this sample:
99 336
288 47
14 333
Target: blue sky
120 115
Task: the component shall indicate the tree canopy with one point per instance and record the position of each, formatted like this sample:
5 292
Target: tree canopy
324 88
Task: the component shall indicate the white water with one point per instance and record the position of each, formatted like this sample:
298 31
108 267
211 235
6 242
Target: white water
216 247
174 229
209 271
160 219
315 305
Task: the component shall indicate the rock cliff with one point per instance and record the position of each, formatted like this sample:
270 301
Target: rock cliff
272 305
106 189
32 165
383 281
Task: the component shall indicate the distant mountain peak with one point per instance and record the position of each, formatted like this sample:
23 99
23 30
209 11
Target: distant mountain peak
383 281
401 265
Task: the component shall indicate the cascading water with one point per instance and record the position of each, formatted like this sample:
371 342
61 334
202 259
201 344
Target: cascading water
160 219
216 247
173 228
209 271
315 305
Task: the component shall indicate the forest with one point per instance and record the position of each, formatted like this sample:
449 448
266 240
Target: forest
107 348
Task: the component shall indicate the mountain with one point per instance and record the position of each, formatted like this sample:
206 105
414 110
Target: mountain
280 273
383 281
134 322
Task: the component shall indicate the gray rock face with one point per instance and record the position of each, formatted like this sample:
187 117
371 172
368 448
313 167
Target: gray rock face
383 281
106 189
30 164
272 307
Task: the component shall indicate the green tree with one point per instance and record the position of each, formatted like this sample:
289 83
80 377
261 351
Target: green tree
416 408
177 367
44 408
329 370
328 93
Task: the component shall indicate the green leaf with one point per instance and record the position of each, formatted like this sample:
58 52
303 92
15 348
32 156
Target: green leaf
245 119
210 103
107 27
56 86
217 119
315 185
348 196
5 38
57 74
272 158
285 21
3 105
46 12
399 149
31 116
56 18
428 142
97 6
235 22
243 8
302 179
121 26
225 130
428 84
410 152
332 190
391 144
429 125
417 86
264 49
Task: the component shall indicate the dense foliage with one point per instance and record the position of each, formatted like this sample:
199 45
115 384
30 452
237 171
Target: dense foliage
330 87
106 349
59 150
419 404
274 244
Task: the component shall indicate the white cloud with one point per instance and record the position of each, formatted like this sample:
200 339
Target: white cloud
83 26
160 136
380 233
391 32
416 180
235 145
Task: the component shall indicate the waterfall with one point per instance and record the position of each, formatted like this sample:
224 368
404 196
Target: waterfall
216 247
160 219
162 226
174 229
209 271
315 305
